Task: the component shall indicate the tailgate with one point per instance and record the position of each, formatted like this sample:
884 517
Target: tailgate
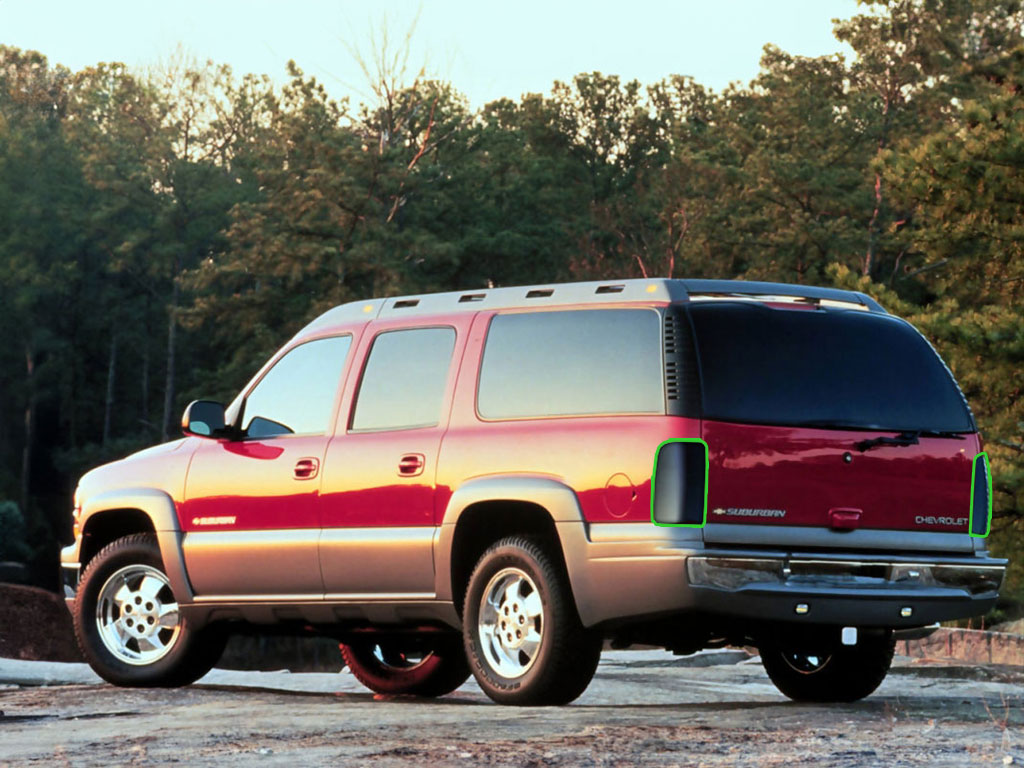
771 475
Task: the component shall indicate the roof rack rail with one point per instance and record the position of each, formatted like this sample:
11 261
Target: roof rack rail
756 290
596 293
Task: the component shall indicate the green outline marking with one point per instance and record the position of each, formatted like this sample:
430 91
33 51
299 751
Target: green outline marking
707 469
974 476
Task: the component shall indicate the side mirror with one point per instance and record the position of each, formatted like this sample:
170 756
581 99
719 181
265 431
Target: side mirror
204 418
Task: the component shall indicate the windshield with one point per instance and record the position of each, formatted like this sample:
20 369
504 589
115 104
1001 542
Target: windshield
838 369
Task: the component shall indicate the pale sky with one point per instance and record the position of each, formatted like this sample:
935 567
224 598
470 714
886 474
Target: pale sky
487 50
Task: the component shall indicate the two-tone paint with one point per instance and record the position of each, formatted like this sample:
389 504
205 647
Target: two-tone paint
360 526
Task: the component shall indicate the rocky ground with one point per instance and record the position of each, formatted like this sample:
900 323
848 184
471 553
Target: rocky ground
643 708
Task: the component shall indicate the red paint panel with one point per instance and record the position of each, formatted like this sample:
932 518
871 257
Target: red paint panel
363 485
364 479
804 473
252 481
593 455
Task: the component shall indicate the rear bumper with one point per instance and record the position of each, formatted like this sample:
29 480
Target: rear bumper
835 589
858 608
627 572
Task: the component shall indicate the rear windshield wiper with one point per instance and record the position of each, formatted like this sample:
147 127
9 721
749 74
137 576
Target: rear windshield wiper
909 437
940 433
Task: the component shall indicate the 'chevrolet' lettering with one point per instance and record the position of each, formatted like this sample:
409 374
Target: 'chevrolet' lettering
931 520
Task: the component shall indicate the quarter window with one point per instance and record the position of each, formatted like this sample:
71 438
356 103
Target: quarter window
404 382
572 363
296 396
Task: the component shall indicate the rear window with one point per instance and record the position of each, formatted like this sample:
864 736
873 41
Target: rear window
822 368
572 363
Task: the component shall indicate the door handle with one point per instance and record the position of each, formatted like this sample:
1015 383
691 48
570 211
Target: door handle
306 469
411 464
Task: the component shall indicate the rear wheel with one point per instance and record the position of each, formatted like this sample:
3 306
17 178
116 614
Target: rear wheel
419 666
127 621
839 674
523 636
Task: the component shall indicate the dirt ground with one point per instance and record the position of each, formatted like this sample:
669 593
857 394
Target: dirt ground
642 708
35 624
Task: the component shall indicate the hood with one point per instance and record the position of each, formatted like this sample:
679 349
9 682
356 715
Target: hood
160 467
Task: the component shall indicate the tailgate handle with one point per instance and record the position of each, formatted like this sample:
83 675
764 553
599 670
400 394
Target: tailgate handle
844 518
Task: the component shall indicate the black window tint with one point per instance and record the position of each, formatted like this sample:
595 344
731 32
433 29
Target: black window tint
404 381
822 368
572 363
297 394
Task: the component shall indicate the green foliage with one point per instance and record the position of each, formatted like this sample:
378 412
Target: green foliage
12 533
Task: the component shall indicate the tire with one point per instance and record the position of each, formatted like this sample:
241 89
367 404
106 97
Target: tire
127 625
417 666
523 636
841 674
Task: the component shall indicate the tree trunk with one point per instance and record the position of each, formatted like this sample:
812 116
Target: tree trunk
869 256
172 324
883 140
109 403
144 418
30 426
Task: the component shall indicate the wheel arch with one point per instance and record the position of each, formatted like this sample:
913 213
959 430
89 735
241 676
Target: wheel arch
111 515
487 509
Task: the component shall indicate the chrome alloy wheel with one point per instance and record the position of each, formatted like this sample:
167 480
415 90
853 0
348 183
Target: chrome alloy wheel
511 623
389 656
137 616
806 664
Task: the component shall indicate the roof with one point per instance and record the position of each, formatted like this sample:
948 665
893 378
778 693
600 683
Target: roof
595 293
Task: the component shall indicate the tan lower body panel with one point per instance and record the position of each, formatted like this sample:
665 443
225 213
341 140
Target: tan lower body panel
229 563
619 570
372 561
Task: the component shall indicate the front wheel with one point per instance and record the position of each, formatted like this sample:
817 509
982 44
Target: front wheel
418 666
523 636
127 621
840 674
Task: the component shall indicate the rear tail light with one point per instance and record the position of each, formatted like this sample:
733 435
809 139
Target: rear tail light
680 483
981 497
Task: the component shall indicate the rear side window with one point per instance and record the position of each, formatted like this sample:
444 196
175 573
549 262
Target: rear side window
404 382
572 364
296 396
822 369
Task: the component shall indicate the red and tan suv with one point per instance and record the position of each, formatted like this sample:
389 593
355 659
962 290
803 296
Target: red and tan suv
462 482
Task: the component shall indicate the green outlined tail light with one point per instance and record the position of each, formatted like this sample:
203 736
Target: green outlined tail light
981 497
679 485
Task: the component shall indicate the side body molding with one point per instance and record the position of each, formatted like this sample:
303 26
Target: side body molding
558 499
158 506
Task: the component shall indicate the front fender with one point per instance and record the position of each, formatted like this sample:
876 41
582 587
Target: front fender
159 507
